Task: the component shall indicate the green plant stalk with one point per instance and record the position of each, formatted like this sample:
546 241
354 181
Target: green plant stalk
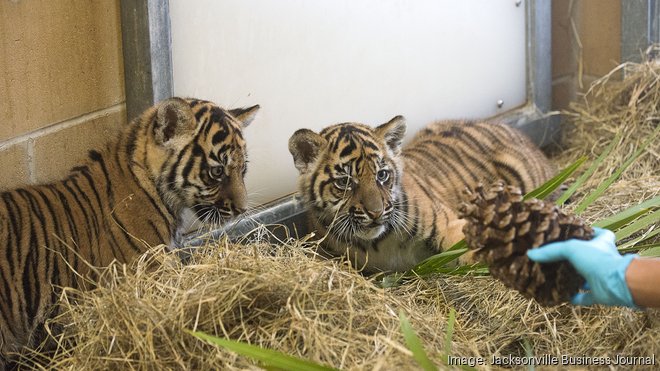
651 251
269 358
529 352
435 262
622 222
414 344
392 280
634 245
626 216
583 178
479 269
450 331
548 187
612 178
449 338
643 222
643 250
458 245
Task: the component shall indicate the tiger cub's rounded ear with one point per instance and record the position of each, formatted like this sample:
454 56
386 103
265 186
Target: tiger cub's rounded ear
392 132
245 115
174 119
305 146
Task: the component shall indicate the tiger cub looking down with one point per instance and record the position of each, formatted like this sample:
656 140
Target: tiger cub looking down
180 155
388 208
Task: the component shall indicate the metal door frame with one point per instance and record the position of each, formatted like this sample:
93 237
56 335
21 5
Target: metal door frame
146 36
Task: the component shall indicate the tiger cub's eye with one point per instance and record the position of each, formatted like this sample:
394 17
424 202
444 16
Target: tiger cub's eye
343 183
383 175
216 172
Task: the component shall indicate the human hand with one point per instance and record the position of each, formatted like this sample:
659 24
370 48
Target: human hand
598 261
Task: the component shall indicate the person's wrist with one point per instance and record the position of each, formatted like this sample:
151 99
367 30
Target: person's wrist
621 289
642 278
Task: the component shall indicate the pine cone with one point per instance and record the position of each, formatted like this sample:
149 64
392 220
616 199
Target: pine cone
501 227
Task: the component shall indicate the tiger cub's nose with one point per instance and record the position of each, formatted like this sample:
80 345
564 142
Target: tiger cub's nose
375 214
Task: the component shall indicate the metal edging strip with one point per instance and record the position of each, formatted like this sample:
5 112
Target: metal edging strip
147 48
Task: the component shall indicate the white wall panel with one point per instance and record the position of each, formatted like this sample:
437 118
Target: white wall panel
311 63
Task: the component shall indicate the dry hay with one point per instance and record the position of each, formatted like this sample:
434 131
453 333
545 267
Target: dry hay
283 299
319 310
631 109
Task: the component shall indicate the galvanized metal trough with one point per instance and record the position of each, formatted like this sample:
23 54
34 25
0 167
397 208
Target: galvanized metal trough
283 218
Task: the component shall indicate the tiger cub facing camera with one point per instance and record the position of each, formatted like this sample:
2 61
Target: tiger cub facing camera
387 208
180 155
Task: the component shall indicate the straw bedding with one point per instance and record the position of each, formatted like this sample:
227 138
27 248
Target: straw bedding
285 299
631 109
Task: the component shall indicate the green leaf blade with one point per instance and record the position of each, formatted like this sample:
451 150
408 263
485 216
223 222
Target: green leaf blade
391 280
651 251
639 224
478 269
435 262
458 245
415 345
638 243
624 217
449 337
529 352
595 194
270 358
590 170
548 187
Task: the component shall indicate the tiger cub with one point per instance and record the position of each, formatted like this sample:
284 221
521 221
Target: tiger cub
182 154
388 208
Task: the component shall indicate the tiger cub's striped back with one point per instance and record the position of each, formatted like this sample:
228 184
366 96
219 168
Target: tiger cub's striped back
387 207
454 155
182 154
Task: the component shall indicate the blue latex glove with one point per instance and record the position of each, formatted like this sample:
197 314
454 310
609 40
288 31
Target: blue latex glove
598 261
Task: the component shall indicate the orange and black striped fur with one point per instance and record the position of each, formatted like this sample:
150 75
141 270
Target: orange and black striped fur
387 208
179 155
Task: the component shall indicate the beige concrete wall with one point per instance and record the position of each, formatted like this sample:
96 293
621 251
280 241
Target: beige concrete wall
586 45
61 85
